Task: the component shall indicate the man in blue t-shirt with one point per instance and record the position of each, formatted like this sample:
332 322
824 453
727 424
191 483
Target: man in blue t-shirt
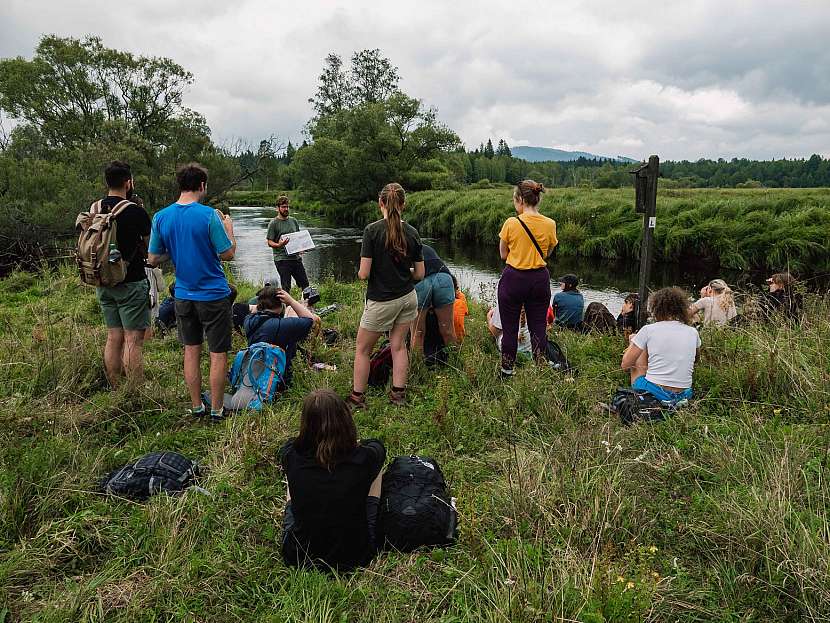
197 238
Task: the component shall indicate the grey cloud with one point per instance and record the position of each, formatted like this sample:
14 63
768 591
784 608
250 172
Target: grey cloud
686 81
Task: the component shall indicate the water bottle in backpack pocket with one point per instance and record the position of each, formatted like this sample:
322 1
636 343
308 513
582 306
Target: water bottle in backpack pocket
416 509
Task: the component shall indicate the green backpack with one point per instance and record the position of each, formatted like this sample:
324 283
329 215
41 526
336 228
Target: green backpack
97 237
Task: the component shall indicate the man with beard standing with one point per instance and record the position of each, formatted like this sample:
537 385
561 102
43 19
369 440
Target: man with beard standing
125 306
288 266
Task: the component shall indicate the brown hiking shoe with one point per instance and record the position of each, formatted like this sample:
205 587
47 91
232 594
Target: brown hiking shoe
356 401
397 397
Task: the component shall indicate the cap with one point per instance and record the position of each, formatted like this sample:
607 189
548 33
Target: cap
569 279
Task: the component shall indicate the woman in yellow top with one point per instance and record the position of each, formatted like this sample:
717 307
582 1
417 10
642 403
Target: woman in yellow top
525 242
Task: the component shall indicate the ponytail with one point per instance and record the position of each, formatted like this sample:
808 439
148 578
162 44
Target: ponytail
393 199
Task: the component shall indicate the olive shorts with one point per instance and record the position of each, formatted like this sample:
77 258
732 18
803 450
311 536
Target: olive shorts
381 316
126 306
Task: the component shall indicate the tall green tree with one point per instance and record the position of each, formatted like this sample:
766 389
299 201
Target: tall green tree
383 135
71 88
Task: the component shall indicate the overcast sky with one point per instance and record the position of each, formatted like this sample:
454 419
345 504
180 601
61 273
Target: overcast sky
686 79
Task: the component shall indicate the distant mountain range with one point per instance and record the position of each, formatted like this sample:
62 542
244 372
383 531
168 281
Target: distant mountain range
546 154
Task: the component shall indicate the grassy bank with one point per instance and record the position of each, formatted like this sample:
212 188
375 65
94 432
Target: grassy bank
738 229
721 513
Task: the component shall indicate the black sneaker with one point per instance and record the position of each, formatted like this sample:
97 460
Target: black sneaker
215 418
506 373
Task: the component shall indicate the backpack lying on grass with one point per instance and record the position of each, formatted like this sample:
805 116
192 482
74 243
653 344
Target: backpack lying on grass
416 509
638 406
257 374
556 358
157 472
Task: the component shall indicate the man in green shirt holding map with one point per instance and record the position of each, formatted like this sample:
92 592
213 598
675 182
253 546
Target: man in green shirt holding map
288 266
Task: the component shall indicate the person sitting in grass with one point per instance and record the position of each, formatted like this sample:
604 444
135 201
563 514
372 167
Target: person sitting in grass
568 304
524 346
782 298
661 356
333 488
716 303
627 319
270 324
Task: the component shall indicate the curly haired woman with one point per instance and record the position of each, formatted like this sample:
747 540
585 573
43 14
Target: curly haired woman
661 356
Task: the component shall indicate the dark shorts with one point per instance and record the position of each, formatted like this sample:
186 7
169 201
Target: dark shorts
126 306
292 268
199 319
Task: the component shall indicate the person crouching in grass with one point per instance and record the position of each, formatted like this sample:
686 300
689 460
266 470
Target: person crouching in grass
661 356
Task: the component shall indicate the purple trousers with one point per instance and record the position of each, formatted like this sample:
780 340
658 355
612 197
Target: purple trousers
529 289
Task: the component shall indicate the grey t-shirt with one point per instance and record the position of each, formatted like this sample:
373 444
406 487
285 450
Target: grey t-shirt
390 277
278 228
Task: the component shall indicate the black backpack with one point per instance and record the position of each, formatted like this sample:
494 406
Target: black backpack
415 506
380 366
157 472
556 357
637 406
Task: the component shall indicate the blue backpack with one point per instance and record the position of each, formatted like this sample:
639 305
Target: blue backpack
257 374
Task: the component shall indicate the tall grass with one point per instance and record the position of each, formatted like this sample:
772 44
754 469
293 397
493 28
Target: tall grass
722 512
739 229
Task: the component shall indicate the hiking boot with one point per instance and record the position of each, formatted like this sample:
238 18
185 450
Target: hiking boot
397 396
356 401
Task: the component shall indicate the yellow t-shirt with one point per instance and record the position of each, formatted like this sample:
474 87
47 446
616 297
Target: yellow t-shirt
523 254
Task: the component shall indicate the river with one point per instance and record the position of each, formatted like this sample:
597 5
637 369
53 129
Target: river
476 267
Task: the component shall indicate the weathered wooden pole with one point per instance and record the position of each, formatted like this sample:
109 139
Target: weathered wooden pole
645 184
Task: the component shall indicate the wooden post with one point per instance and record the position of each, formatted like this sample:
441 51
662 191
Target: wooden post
645 182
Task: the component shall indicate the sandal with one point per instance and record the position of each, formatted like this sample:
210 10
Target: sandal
397 396
356 400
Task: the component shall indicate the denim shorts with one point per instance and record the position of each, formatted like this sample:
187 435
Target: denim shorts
436 290
663 395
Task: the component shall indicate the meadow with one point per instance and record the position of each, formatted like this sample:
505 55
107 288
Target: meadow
740 229
721 513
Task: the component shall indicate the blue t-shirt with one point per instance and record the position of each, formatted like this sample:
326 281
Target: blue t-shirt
568 308
194 237
283 332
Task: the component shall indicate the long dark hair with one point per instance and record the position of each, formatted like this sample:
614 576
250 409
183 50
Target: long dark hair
327 429
393 199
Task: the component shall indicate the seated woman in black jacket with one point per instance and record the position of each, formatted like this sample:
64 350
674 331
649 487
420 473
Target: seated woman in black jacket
334 485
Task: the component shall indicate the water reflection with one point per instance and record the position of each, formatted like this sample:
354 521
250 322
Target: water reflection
476 266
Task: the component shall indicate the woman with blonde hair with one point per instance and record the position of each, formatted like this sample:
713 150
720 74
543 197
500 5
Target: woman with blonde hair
391 259
716 303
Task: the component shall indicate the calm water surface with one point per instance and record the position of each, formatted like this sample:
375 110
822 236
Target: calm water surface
476 266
